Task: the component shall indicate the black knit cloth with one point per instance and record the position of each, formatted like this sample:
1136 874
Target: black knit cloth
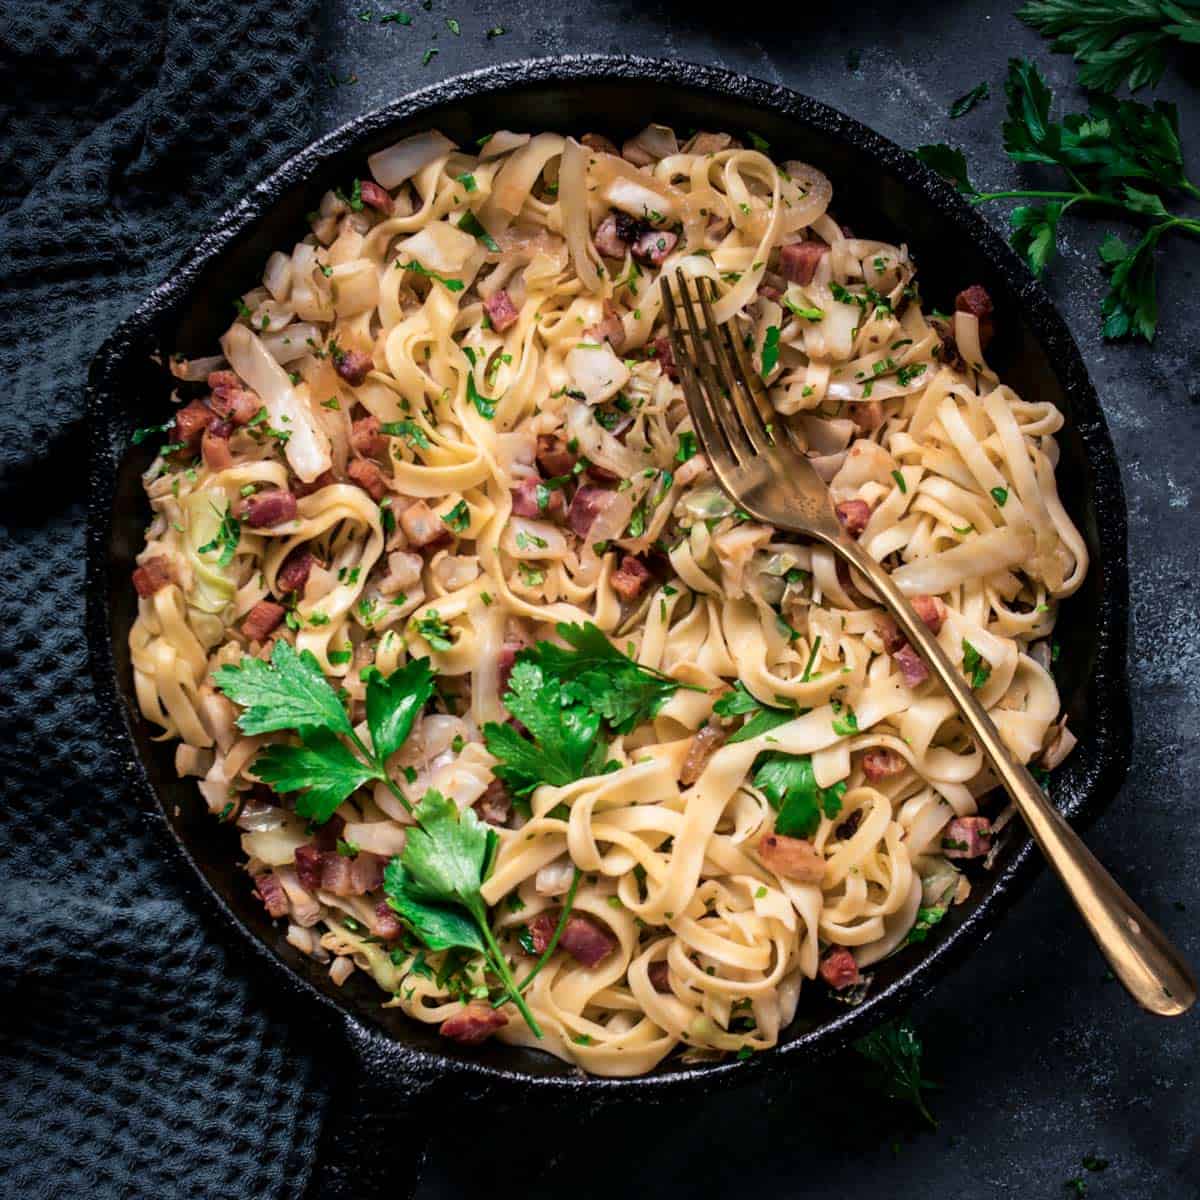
135 1060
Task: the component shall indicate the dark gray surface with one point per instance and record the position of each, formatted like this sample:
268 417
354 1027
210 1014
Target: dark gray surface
1042 1060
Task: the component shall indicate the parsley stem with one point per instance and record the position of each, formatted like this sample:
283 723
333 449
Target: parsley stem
381 768
500 966
552 945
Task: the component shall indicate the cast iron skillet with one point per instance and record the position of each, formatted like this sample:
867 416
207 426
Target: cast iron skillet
394 1064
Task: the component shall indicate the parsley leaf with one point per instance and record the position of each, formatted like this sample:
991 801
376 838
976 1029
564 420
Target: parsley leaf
763 717
484 404
770 350
227 537
1034 229
451 285
394 702
409 430
927 918
324 770
894 1051
949 163
975 665
788 782
965 103
470 223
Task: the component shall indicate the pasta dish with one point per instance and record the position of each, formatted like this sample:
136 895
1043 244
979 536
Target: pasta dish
513 709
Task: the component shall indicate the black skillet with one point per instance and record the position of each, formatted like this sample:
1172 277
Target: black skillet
398 1071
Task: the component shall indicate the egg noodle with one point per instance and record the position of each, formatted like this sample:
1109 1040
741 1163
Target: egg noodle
497 312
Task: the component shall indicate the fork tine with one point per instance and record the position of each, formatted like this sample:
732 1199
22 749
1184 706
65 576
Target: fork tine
735 434
740 390
712 440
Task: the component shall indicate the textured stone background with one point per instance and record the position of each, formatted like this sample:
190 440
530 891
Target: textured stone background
1041 1060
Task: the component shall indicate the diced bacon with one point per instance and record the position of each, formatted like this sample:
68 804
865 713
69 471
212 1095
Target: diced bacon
586 505
881 763
270 891
660 976
293 575
854 515
231 398
190 423
912 666
867 417
541 929
931 610
508 656
373 196
599 143
795 858
386 924
798 261
615 233
153 575
553 456
368 476
712 143
525 500
889 632
262 620
630 578
770 293
967 837
587 940
352 366
708 739
601 474
610 329
268 508
474 1024
654 245
300 488
329 871
214 446
421 526
665 354
634 152
500 310
976 301
368 439
495 805
839 969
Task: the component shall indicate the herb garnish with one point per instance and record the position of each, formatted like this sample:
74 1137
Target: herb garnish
770 350
228 534
894 1050
469 223
788 782
975 665
451 285
409 430
964 104
485 405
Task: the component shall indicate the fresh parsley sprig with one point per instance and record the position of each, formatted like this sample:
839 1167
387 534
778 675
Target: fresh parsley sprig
1116 40
894 1052
1119 155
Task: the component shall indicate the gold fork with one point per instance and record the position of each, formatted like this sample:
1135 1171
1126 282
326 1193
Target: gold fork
764 472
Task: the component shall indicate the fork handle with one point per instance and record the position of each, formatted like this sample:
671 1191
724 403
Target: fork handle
1149 966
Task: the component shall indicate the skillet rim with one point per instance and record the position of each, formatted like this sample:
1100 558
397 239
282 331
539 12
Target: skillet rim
1110 714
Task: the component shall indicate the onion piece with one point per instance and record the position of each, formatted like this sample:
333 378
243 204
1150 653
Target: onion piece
277 276
597 445
439 247
573 203
392 166
526 539
292 343
501 142
658 141
196 370
596 371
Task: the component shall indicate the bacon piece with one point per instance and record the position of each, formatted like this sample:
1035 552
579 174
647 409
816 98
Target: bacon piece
386 924
889 632
794 857
630 578
373 196
615 233
231 399
293 574
976 301
912 666
610 329
839 969
967 837
711 143
665 354
708 739
867 417
854 514
881 763
352 366
599 143
931 610
368 476
500 310
214 446
495 805
541 929
553 455
262 620
632 151
330 871
798 261
153 575
421 526
660 976
654 245
190 423
271 507
322 481
270 891
474 1024
587 940
586 505
508 656
368 439
525 500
